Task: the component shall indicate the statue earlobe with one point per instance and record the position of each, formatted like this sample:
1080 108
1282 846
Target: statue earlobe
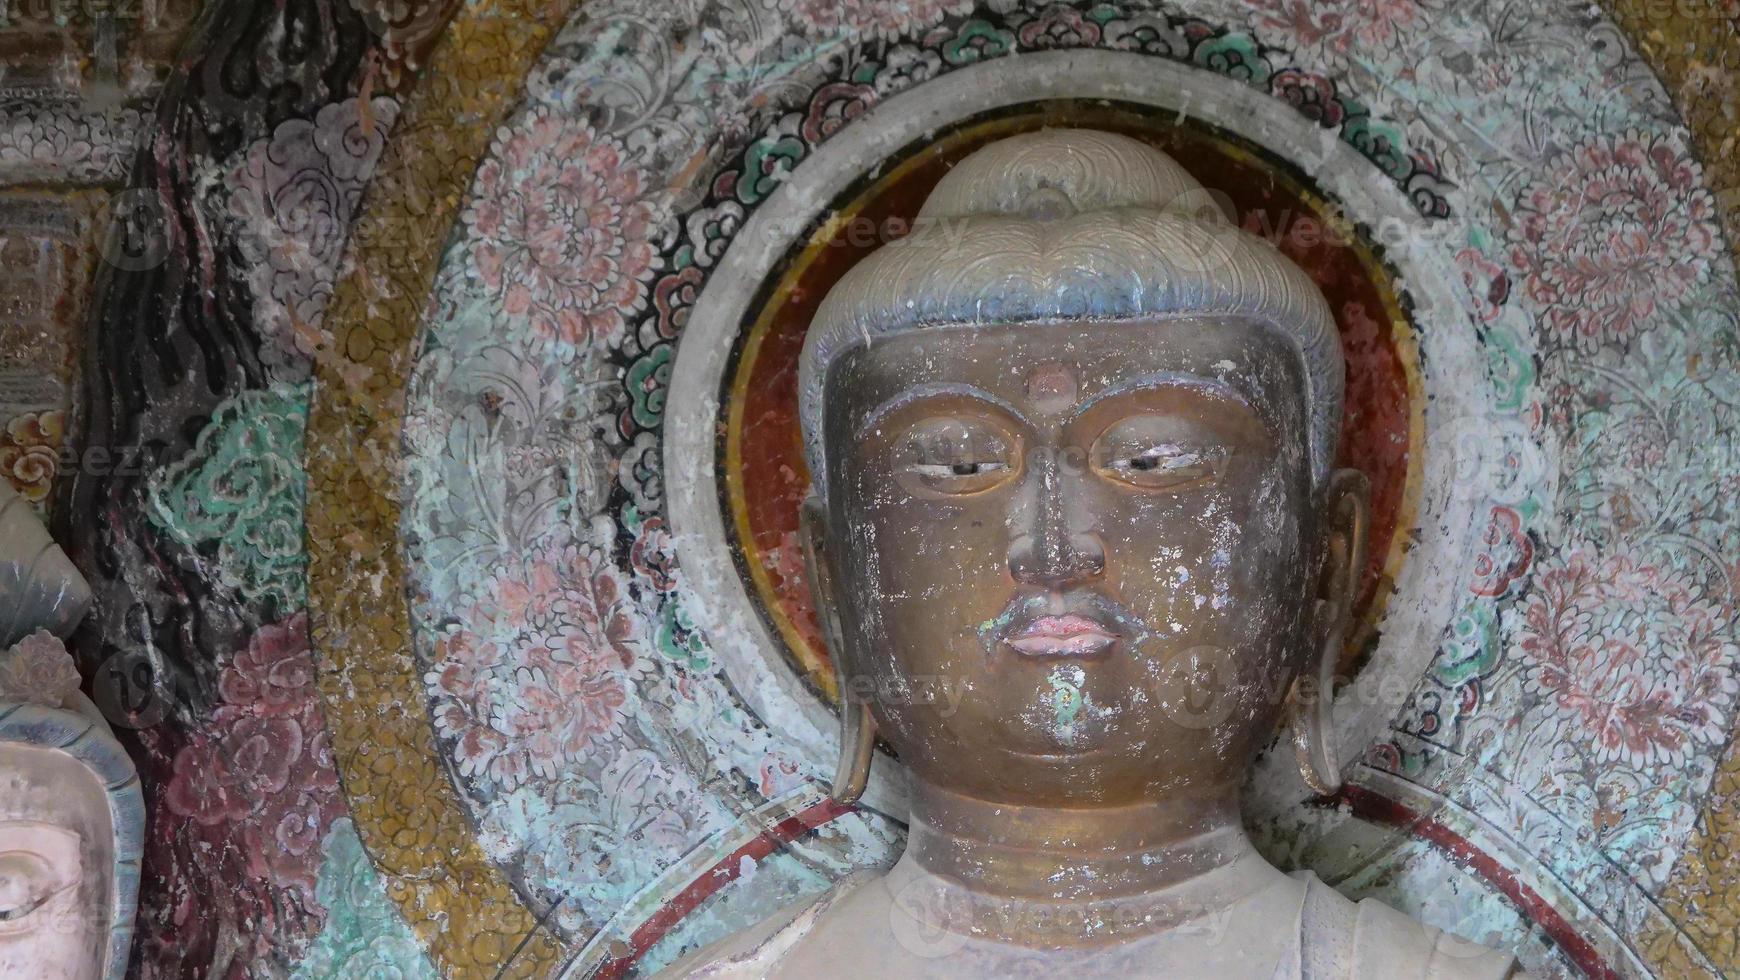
857 749
857 725
1347 523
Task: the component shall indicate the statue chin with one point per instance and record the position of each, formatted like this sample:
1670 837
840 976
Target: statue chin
1074 463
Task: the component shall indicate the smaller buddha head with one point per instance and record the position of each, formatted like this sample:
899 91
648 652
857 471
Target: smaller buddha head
71 823
1072 448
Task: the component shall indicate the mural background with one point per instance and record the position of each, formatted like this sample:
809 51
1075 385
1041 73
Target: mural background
378 357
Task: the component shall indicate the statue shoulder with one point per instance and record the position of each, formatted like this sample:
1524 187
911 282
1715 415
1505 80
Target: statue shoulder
1368 939
756 952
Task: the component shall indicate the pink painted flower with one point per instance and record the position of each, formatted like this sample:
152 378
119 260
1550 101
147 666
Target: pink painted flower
1487 283
1616 229
780 773
536 672
1341 27
252 760
874 19
654 555
1506 553
259 782
38 670
1628 655
561 229
274 675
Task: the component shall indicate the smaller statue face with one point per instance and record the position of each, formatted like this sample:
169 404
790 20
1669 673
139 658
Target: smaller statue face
1072 561
55 858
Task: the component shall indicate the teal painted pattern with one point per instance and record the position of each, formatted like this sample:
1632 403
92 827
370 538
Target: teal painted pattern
364 938
237 498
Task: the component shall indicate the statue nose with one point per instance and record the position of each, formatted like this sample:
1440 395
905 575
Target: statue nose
1049 553
1055 560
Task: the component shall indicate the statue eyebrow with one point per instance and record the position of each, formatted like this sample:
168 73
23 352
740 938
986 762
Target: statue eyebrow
934 389
1170 379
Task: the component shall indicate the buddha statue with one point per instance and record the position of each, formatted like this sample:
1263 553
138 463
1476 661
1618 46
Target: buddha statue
1072 449
72 818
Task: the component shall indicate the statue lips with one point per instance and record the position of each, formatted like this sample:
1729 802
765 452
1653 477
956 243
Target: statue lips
1079 633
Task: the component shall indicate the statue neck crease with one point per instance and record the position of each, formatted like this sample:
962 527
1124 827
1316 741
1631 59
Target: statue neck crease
1142 867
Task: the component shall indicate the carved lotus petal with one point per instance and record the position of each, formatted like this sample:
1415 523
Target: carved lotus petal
38 670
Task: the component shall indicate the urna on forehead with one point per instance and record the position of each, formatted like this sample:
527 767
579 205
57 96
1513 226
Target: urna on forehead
1076 225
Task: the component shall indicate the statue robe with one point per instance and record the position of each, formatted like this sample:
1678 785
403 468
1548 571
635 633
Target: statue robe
1316 934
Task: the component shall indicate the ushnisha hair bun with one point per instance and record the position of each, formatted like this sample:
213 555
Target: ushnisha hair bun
1072 224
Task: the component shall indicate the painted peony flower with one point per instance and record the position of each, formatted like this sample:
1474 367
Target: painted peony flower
273 676
560 229
1613 231
260 781
536 673
873 19
1341 27
1627 656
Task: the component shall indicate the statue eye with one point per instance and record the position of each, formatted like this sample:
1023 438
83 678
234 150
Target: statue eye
1160 467
960 476
27 883
1133 452
978 467
954 456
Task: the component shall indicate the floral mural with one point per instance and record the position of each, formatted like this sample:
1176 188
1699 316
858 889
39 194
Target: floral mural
408 442
533 677
293 198
262 782
1640 700
83 143
246 807
1615 229
870 19
561 230
30 451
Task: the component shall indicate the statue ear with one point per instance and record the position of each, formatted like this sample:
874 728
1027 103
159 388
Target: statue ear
1346 522
857 725
1346 525
813 529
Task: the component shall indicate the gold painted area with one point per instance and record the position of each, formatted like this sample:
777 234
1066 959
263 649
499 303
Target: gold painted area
1694 48
464 910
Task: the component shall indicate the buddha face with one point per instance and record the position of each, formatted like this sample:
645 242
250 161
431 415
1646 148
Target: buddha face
55 855
1102 539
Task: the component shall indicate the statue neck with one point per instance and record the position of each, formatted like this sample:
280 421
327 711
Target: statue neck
1045 876
1076 852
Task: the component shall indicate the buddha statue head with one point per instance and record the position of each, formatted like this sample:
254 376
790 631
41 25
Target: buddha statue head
72 817
71 823
1072 446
